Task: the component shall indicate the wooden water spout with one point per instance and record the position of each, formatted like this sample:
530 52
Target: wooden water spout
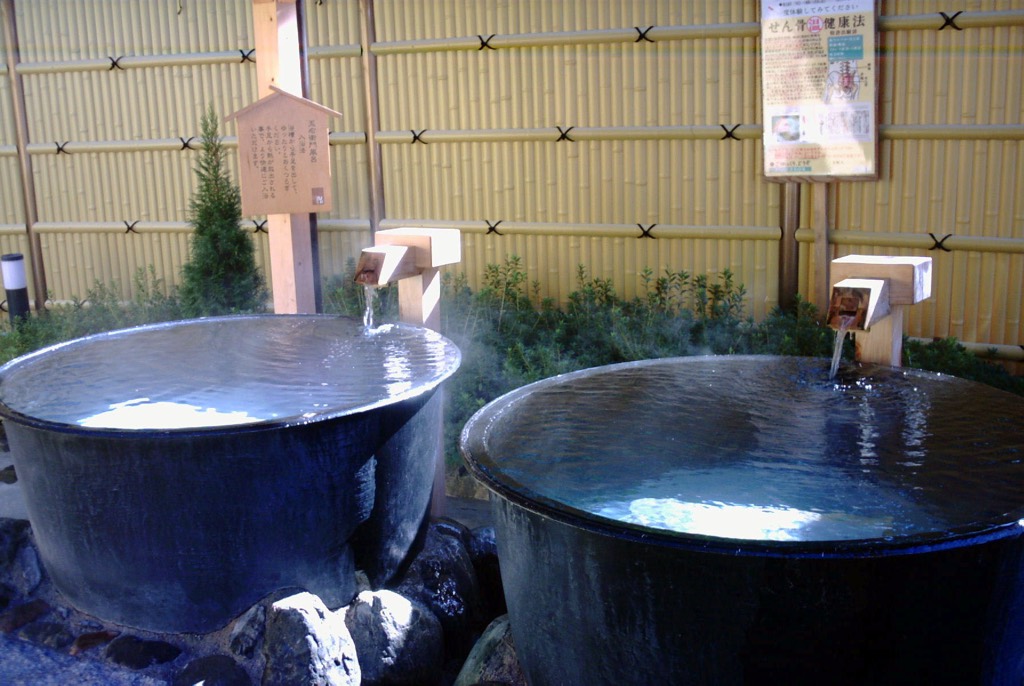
871 291
412 257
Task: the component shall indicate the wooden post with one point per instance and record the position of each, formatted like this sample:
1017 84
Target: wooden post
368 35
883 344
278 63
822 248
419 298
28 187
789 253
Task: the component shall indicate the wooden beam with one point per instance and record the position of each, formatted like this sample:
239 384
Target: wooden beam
278 63
375 168
822 248
789 250
28 188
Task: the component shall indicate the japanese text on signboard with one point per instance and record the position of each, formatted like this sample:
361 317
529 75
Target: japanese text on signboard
277 151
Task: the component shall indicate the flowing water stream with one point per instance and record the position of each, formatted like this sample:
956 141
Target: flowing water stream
845 322
370 293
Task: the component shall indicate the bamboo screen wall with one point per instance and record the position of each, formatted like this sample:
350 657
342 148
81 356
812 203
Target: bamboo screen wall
614 134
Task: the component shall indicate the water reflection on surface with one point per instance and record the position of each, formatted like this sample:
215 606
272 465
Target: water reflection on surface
142 413
226 371
766 448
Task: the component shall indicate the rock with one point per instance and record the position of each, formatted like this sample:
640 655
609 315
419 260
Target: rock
8 475
49 634
399 642
19 563
213 670
28 664
247 631
14 618
26 573
7 594
92 639
442 578
136 653
483 551
308 645
451 527
493 659
483 544
13 534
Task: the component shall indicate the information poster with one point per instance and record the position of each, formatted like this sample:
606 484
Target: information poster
819 76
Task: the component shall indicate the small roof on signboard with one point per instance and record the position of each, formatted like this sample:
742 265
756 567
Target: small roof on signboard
276 96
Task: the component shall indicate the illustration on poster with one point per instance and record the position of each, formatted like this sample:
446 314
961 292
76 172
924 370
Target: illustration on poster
786 128
842 82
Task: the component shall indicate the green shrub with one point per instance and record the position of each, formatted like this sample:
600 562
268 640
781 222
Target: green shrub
799 333
102 309
509 337
221 276
947 356
342 295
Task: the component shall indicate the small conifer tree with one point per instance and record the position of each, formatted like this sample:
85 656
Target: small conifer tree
221 276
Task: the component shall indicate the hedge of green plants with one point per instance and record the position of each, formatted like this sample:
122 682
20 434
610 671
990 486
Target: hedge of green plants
509 336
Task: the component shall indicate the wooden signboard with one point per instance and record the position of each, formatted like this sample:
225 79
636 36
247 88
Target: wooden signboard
284 155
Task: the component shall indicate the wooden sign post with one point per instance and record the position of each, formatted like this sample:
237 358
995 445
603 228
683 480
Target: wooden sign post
278 64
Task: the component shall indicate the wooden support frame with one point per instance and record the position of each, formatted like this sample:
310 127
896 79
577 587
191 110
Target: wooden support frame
293 266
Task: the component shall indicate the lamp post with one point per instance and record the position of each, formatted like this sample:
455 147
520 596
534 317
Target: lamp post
13 266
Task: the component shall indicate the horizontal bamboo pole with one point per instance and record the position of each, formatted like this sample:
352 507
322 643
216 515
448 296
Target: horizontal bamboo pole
700 132
134 62
157 144
914 22
342 225
329 225
741 233
607 133
669 33
324 52
965 20
965 132
552 134
116 227
558 38
468 136
918 240
173 60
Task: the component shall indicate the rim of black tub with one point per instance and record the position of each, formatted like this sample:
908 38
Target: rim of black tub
294 335
475 444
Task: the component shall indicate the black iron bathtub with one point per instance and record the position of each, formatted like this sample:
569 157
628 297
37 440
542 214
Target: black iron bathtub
729 520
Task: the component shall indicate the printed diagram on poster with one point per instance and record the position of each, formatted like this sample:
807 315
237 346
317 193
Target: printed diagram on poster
284 155
819 89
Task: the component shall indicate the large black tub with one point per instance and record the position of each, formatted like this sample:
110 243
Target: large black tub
175 474
742 520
